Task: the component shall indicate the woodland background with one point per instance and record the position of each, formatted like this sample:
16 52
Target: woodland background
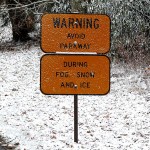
129 22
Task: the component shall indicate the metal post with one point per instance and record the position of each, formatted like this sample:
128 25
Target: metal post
76 118
73 7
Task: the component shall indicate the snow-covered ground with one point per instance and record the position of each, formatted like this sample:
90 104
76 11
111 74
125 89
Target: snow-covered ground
119 120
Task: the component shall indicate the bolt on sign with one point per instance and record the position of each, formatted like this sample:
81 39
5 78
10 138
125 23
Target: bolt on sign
75 33
75 74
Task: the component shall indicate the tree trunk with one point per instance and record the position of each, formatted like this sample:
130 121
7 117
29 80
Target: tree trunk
21 19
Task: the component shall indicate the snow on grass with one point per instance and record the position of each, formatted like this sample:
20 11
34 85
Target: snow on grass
118 120
5 33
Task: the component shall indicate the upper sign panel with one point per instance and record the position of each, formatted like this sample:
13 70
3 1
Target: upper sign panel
75 33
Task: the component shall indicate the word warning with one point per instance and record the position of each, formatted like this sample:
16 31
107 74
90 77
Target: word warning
75 33
75 74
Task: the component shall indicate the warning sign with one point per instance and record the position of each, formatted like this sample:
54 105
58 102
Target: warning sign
75 33
75 74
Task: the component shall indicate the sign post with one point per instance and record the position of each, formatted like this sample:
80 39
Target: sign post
75 74
76 118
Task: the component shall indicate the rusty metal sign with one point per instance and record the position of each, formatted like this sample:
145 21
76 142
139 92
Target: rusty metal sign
75 33
75 74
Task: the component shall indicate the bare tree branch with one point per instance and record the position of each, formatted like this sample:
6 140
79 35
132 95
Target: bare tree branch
24 6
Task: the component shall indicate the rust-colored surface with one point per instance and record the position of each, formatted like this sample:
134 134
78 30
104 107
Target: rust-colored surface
75 74
75 33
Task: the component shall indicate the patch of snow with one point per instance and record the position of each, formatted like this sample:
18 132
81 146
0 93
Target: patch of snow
5 33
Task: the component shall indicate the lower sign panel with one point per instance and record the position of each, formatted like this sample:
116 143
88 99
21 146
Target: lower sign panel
75 74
